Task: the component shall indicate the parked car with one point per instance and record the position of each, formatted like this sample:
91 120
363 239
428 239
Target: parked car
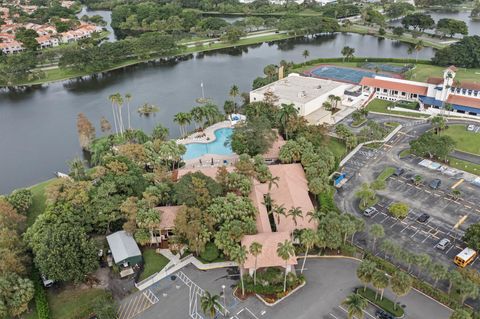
442 244
47 282
399 171
370 211
423 218
471 127
435 183
380 314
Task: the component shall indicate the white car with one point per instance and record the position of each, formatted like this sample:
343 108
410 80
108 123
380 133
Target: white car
471 127
47 282
370 211
442 244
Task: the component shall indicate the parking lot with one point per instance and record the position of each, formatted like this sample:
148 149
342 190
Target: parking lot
449 216
329 282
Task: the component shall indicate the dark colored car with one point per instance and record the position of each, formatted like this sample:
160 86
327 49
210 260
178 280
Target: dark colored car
380 314
399 171
435 183
423 218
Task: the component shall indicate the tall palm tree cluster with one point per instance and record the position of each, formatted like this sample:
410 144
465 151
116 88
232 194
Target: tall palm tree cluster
118 101
199 115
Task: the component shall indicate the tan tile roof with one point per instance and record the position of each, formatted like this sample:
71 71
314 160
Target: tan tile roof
292 191
435 80
263 223
274 151
208 171
464 101
269 256
167 216
394 85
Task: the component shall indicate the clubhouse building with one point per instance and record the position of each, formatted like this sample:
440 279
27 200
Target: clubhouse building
463 97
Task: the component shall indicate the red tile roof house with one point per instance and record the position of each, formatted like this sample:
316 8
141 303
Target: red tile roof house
433 94
167 224
291 192
11 47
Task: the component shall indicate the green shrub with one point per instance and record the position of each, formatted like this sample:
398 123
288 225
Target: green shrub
386 304
270 281
40 297
210 253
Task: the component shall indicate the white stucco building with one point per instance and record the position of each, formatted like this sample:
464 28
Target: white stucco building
308 95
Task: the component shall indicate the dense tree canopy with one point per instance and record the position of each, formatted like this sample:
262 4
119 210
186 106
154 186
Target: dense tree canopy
464 53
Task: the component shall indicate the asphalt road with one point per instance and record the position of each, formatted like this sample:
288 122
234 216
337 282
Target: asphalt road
329 282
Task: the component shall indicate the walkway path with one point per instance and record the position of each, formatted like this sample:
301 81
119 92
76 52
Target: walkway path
466 157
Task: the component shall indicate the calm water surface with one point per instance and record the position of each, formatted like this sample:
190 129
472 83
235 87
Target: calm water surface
38 127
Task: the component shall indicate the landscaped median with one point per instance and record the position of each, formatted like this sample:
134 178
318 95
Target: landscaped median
382 106
383 303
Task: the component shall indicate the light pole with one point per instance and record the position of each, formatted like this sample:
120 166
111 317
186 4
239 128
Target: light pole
224 300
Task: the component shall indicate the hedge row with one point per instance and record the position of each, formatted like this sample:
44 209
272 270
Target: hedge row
41 302
362 59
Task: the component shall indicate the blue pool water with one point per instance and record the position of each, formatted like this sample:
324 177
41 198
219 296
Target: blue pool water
343 74
217 146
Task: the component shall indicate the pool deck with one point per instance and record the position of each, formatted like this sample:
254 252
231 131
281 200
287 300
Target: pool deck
383 73
206 136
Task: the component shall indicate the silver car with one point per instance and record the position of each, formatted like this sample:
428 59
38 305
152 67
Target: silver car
370 211
442 244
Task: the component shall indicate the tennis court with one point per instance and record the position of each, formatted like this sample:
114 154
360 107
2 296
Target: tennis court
386 67
341 74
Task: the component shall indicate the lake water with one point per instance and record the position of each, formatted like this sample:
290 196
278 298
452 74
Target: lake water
38 133
107 17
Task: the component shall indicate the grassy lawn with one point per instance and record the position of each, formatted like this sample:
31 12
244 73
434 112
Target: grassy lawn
380 106
464 165
423 71
337 147
38 205
465 141
153 263
386 173
73 303
385 304
405 153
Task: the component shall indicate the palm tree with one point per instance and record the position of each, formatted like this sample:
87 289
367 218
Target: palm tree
286 112
272 180
366 193
438 272
234 91
401 285
255 249
128 98
77 168
198 115
347 52
334 99
316 215
279 211
365 272
308 238
285 250
113 99
239 255
182 119
380 281
419 46
327 106
210 304
460 314
376 231
119 103
453 277
295 212
356 305
306 54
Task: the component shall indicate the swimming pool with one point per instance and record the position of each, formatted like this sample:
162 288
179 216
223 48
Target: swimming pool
343 74
217 146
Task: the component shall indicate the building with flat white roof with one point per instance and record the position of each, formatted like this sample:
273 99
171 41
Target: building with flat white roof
308 95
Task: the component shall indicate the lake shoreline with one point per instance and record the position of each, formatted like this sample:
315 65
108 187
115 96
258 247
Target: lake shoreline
193 50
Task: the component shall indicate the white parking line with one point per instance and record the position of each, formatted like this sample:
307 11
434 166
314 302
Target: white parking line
415 233
426 237
331 314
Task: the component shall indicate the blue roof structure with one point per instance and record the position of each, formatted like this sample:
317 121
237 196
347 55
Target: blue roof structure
430 101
